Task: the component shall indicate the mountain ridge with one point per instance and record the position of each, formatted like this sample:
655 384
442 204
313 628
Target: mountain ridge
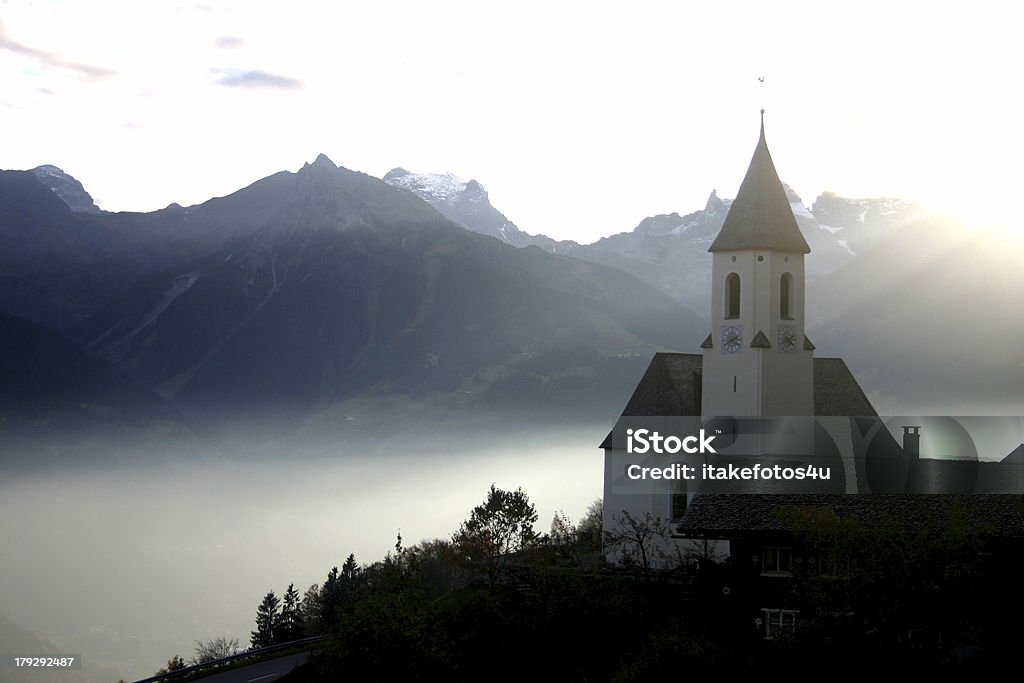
115 283
306 289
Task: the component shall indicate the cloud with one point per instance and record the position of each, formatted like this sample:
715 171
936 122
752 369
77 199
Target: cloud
52 60
233 78
229 42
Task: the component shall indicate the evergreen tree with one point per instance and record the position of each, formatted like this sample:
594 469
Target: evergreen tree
267 619
310 610
288 622
330 598
350 570
339 589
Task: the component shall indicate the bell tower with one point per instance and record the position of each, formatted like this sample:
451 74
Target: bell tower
757 361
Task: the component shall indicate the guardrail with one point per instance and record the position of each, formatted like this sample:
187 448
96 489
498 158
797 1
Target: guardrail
225 660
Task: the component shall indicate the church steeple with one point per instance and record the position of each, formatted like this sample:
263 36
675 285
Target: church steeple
757 360
760 217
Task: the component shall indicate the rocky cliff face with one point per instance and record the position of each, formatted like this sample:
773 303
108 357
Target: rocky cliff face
67 188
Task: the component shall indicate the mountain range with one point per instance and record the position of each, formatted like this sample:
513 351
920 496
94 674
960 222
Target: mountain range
309 296
925 311
669 251
327 299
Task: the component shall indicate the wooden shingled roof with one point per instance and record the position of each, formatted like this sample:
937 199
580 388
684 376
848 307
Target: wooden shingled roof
737 515
760 217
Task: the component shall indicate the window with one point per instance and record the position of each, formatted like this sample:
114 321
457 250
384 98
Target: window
785 296
777 561
774 622
732 296
829 563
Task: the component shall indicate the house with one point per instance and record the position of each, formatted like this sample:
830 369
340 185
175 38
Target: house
756 405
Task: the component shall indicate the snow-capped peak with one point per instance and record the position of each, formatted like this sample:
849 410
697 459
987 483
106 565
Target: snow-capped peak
441 187
800 209
49 170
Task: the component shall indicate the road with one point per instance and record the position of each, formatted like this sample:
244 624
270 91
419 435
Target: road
262 672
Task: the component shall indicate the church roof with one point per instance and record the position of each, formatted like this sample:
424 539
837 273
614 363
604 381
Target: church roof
836 392
760 217
1016 455
671 387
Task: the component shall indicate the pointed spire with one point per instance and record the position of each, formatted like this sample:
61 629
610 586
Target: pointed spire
760 217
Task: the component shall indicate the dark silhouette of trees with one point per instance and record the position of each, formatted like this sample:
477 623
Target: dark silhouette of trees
173 664
926 596
214 649
563 531
338 589
310 610
591 526
498 528
268 617
639 541
288 624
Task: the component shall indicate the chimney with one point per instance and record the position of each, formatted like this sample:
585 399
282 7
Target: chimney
912 442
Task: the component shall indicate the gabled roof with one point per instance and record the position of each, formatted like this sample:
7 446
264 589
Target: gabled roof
671 387
836 391
760 217
1016 455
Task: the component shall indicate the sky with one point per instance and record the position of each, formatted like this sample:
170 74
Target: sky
580 118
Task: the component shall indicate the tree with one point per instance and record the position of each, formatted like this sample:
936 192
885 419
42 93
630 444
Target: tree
267 619
288 626
591 526
173 664
339 589
563 531
496 529
214 649
434 565
887 577
330 598
640 540
350 570
310 610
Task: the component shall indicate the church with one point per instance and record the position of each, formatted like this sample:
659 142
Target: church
758 388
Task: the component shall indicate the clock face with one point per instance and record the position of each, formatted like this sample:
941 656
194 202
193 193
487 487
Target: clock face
787 339
732 338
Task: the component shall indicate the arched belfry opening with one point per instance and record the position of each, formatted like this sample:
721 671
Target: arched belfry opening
786 296
732 296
